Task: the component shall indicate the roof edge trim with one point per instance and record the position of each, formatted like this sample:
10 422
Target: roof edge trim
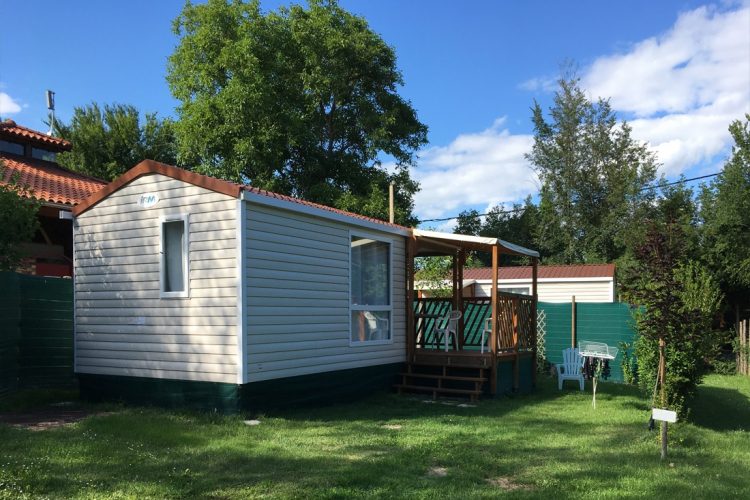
147 167
321 213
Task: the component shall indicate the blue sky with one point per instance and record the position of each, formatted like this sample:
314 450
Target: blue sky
679 71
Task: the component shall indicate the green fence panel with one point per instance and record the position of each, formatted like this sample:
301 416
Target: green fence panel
45 356
610 323
10 315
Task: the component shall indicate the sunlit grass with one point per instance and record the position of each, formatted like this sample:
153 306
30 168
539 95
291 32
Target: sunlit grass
549 444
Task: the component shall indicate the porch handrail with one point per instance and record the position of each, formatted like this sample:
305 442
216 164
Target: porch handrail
515 320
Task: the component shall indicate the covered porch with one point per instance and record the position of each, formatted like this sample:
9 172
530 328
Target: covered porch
491 331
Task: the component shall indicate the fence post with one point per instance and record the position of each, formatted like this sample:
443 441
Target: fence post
573 322
516 359
535 333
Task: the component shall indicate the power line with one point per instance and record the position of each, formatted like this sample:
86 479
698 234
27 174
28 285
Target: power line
521 209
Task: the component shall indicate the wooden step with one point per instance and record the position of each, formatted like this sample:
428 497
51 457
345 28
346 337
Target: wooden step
437 376
439 390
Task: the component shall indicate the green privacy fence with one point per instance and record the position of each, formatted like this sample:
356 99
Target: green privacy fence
36 332
610 323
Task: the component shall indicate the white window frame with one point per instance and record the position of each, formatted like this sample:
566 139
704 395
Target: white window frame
185 218
388 308
527 288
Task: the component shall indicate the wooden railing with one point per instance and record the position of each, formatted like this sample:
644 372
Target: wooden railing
515 316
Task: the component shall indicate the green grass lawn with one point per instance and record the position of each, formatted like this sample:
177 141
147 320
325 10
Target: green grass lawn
551 444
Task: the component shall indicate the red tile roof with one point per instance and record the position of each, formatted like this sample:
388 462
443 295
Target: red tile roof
544 272
147 167
11 130
48 181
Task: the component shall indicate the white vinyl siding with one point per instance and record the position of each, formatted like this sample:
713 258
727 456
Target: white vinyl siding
559 291
297 287
123 326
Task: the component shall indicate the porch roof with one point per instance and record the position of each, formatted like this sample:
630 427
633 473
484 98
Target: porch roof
437 243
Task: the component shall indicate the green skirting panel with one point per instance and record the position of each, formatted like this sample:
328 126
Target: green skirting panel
505 376
160 392
319 388
314 389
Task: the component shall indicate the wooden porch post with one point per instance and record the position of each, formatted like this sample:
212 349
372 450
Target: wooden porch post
460 297
411 339
534 332
493 335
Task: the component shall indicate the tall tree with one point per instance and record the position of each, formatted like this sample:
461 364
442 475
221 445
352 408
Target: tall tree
592 173
468 223
517 225
725 212
302 101
108 142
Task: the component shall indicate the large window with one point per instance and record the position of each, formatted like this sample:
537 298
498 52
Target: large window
370 301
175 277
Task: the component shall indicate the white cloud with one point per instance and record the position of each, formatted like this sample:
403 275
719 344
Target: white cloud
483 168
684 87
8 106
681 89
543 83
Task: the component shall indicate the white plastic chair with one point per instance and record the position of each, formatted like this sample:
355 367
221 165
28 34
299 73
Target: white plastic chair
376 327
570 369
486 334
446 326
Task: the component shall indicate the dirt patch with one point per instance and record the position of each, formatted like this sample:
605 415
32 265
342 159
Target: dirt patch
437 472
507 484
393 427
47 418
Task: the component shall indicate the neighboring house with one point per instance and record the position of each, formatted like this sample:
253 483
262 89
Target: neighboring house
198 291
556 283
587 282
30 156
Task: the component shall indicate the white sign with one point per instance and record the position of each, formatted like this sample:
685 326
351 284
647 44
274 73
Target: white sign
148 200
664 415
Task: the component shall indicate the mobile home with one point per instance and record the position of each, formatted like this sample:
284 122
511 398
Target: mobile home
196 291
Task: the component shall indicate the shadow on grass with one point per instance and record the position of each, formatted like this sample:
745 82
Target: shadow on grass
721 409
163 458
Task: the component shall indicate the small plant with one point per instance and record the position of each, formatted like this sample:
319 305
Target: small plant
724 367
628 364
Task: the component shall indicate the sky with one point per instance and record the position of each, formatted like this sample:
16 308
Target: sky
677 71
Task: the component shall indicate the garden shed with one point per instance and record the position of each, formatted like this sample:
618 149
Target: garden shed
202 292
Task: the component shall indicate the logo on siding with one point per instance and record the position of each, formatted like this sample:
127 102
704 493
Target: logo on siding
148 200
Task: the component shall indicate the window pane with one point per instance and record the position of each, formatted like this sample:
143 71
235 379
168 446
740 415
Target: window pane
43 154
370 272
371 325
11 147
520 290
174 232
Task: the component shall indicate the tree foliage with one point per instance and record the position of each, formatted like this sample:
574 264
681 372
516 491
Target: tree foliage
517 224
108 142
679 299
302 101
725 213
18 220
592 173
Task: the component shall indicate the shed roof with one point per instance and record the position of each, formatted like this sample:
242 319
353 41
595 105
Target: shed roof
11 130
47 181
544 272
